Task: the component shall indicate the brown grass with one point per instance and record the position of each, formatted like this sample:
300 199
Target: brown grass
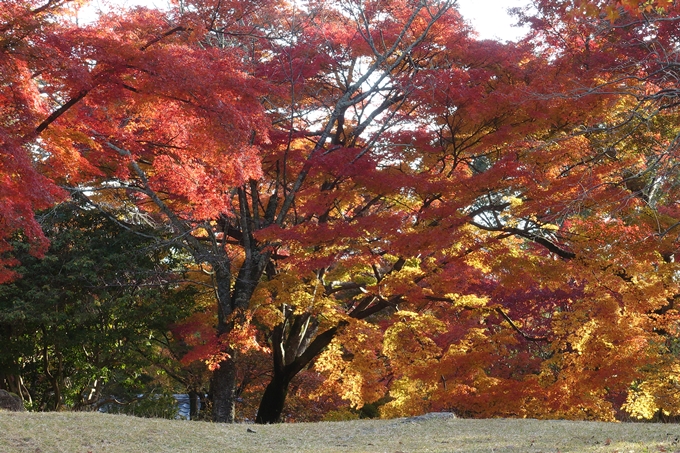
94 432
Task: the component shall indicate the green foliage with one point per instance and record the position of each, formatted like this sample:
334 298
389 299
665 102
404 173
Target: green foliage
152 405
93 311
370 410
341 415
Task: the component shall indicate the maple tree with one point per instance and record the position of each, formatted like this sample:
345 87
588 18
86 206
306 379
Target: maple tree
116 103
599 208
633 55
561 196
418 189
155 117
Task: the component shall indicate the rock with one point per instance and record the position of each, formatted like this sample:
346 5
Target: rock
430 416
11 402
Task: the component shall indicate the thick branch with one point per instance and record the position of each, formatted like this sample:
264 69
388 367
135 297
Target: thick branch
158 38
315 347
551 246
60 111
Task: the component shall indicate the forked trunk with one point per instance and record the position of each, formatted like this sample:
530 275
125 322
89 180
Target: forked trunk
294 336
271 405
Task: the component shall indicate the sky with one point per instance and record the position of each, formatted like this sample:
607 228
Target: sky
488 17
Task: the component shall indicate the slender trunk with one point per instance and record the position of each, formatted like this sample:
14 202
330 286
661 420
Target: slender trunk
223 391
194 404
271 405
223 381
51 378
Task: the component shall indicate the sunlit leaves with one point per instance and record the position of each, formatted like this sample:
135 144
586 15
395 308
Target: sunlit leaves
206 346
353 365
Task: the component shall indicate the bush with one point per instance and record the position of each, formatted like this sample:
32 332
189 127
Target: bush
153 405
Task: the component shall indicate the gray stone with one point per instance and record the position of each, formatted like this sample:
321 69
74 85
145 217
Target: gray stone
11 402
431 416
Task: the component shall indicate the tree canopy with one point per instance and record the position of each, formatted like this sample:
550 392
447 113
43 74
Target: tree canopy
390 213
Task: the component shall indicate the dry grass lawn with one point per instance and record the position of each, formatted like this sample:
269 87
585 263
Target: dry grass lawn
94 432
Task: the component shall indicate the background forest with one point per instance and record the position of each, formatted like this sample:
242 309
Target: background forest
332 209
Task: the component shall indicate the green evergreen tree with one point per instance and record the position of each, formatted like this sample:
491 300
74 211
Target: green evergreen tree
91 318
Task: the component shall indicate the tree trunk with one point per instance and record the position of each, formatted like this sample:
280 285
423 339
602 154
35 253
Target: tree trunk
294 350
285 369
223 391
232 305
271 405
194 404
223 381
